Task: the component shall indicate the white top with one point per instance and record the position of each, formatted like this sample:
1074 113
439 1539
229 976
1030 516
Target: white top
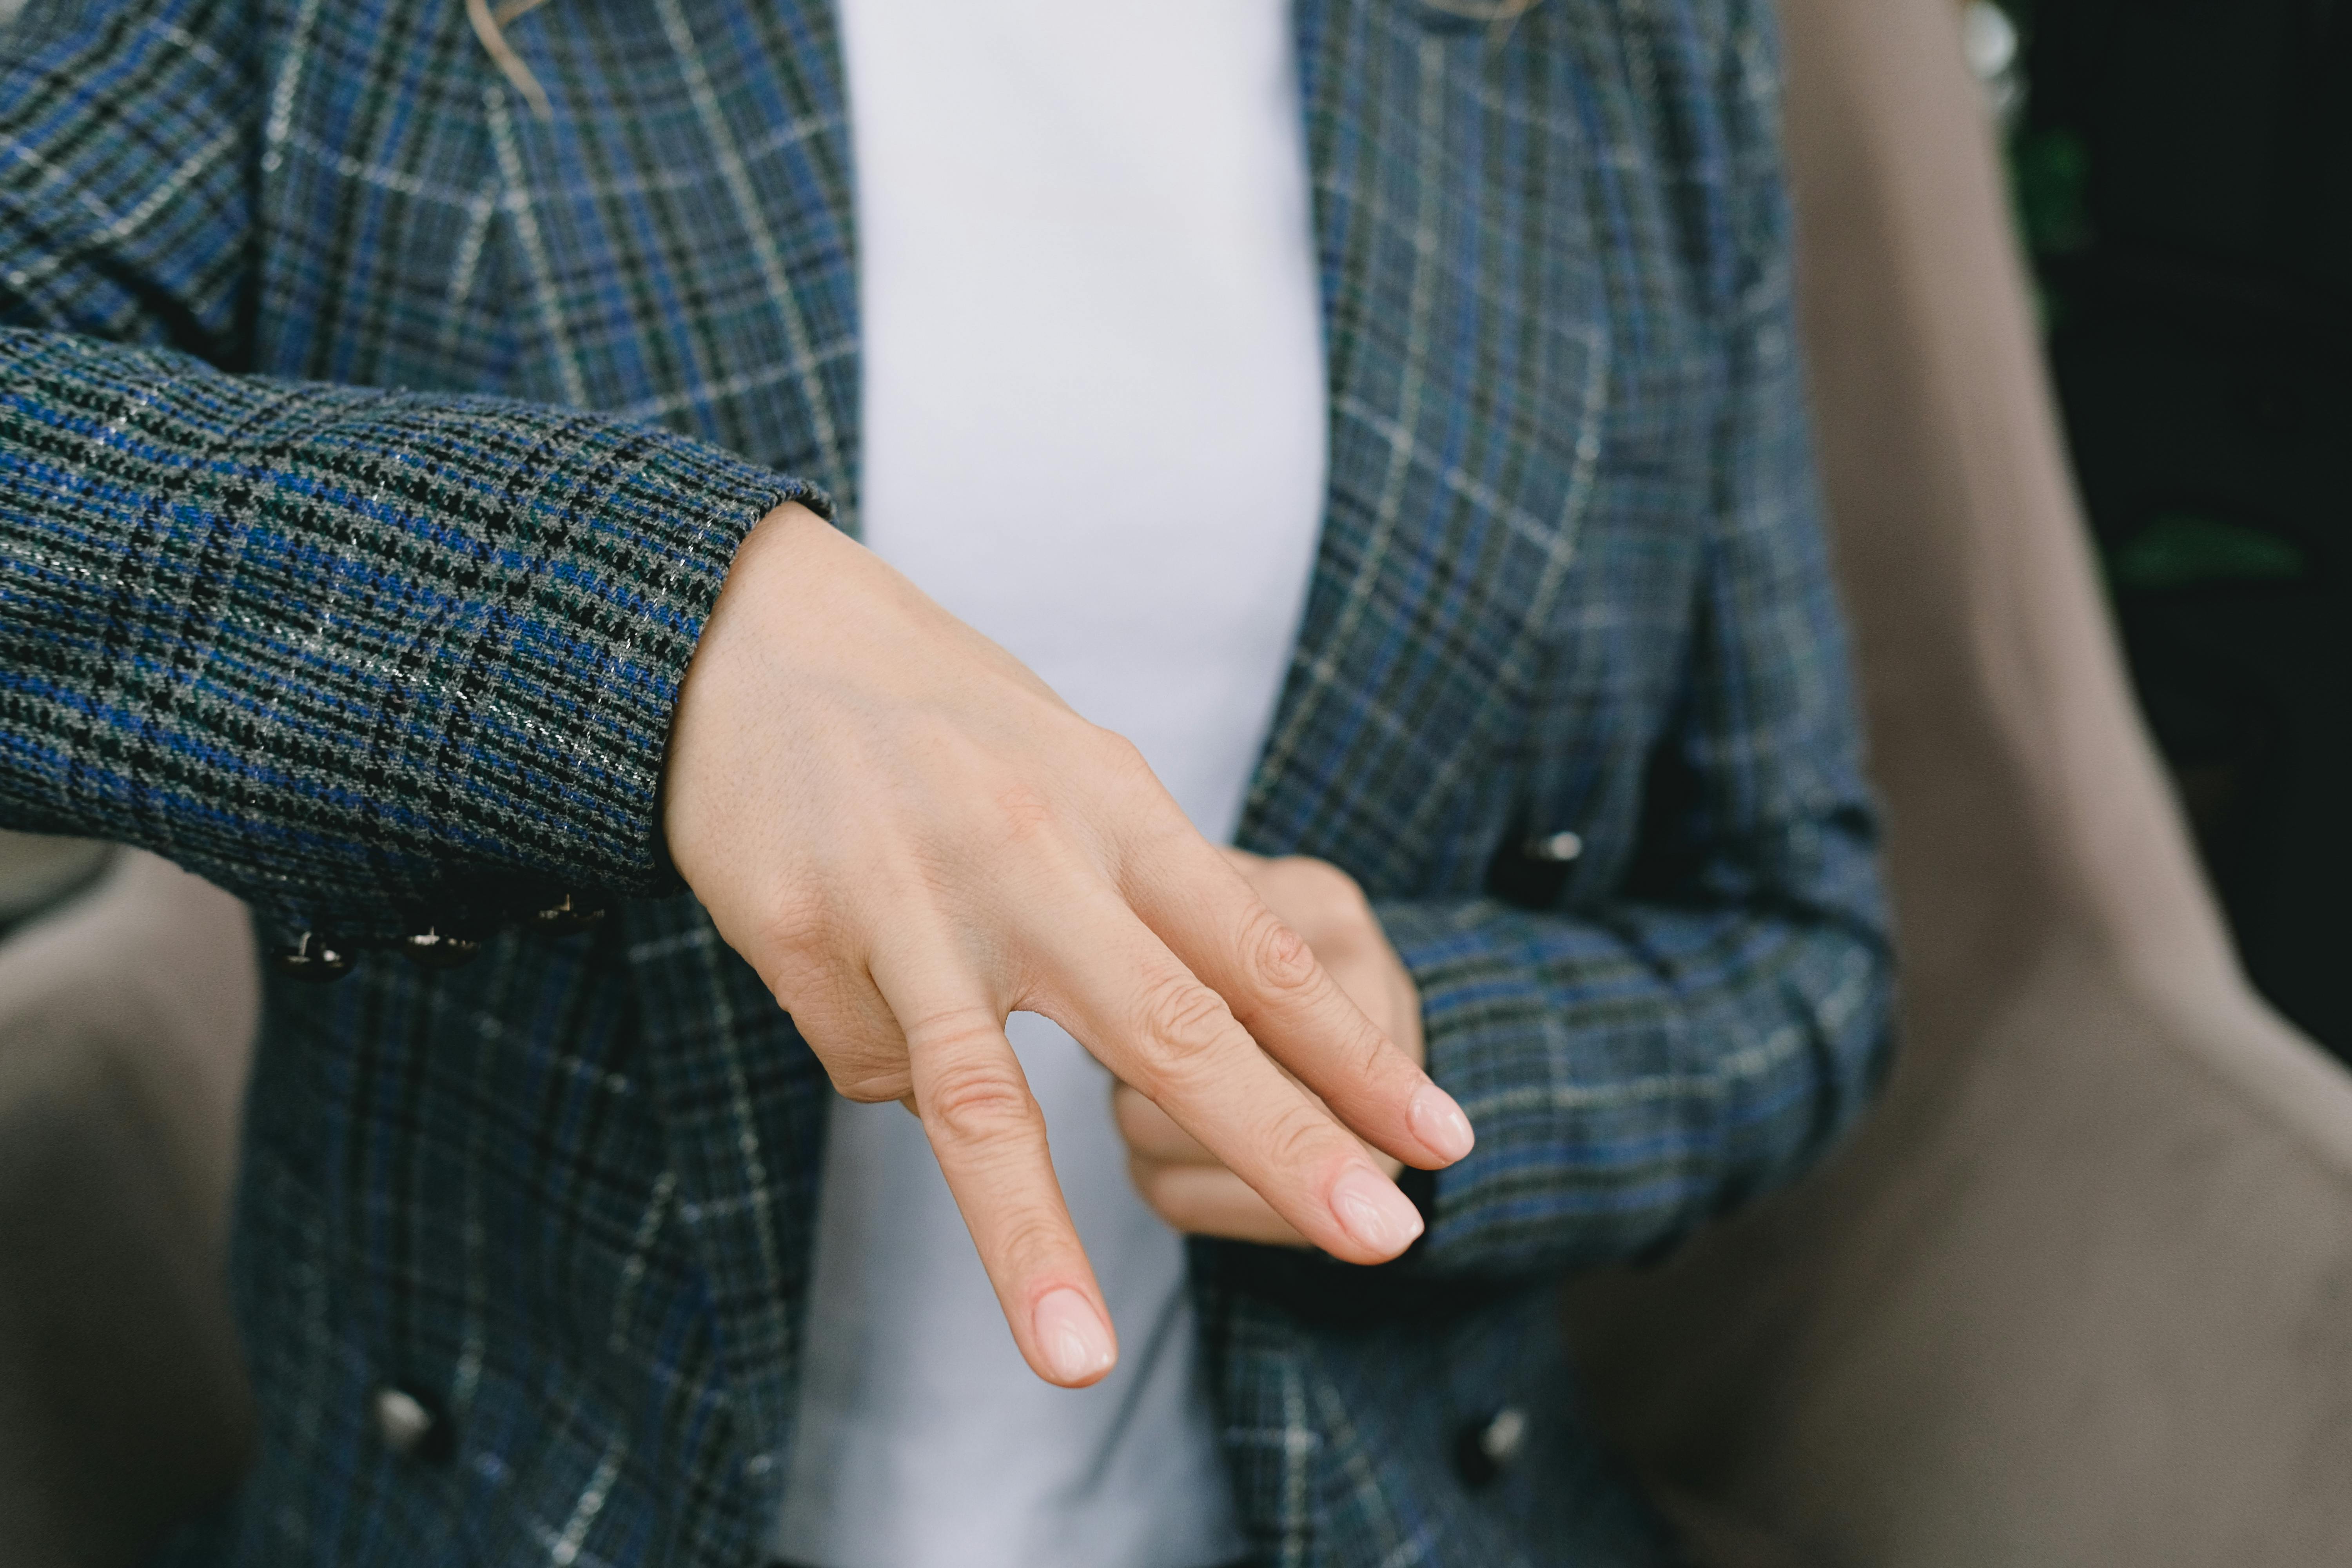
1093 429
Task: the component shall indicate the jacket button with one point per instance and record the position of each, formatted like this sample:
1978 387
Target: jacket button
313 957
1553 849
409 1426
431 949
566 916
1484 1449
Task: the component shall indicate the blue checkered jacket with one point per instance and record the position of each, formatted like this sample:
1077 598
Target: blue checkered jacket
370 451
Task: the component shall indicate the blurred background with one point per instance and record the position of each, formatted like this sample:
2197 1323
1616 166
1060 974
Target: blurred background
2181 175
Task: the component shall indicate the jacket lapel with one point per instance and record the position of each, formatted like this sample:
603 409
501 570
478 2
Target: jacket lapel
1462 319
1468 368
679 236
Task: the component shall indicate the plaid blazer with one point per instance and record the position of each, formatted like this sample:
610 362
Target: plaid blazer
370 451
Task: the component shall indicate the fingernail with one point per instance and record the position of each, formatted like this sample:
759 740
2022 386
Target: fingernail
1072 1336
1438 1123
1373 1213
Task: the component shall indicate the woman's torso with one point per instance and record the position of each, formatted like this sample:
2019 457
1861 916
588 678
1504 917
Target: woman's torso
1092 427
520 1185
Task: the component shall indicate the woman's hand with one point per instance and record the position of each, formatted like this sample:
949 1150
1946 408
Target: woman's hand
1186 1184
910 836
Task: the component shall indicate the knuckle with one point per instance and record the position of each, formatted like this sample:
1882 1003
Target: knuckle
797 931
1280 957
950 1030
1147 813
869 1082
1325 900
1342 894
978 1103
862 1055
1298 1137
1121 757
1032 1242
1021 810
1185 1021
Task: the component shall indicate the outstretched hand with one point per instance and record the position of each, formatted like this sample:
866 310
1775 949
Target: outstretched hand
910 837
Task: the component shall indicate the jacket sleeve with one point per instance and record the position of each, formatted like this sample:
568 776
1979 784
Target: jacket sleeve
357 655
1639 1059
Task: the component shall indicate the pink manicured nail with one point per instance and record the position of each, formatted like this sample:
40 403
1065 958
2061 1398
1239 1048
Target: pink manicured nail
1072 1336
1373 1213
1438 1123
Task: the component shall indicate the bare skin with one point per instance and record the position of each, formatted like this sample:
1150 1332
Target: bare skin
1186 1184
910 837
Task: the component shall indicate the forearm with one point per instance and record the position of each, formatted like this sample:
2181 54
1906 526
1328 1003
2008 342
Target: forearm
1633 1069
352 654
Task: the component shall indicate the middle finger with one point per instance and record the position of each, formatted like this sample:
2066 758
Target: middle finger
1114 985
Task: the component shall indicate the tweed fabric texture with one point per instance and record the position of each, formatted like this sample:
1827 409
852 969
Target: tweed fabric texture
370 449
360 652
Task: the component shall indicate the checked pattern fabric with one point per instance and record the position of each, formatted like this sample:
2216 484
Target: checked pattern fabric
370 451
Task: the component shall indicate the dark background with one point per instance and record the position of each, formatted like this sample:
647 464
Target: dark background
2183 177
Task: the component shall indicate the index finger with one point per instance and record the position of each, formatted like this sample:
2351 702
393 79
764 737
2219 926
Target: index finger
988 1136
1108 980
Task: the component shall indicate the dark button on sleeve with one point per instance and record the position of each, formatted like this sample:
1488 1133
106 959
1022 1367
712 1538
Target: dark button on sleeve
1553 849
1484 1449
410 1426
1531 869
313 956
433 949
567 915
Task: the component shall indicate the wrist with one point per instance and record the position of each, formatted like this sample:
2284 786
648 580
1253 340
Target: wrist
770 554
784 530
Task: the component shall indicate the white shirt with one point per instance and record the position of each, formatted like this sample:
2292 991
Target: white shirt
1093 429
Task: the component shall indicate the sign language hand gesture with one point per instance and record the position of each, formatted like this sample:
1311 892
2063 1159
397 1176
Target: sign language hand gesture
1184 1183
910 836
